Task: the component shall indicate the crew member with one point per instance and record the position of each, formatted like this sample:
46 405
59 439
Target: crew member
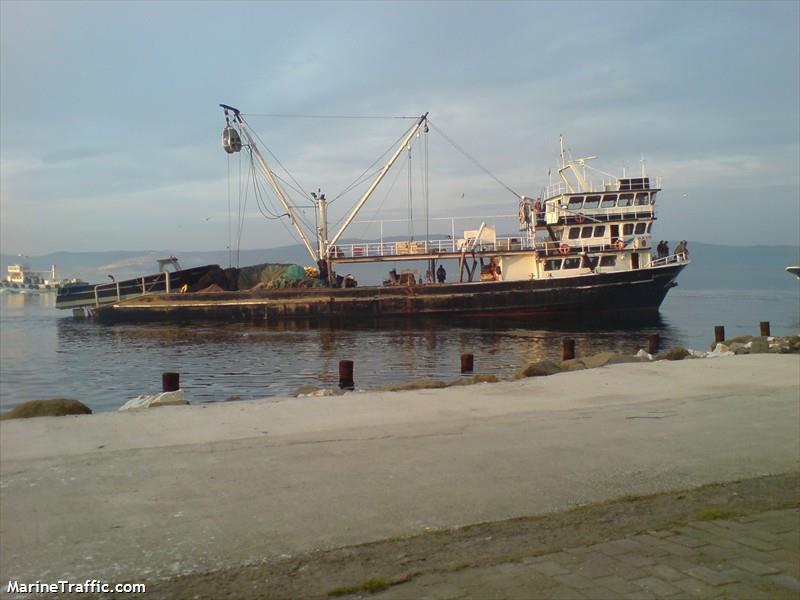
441 274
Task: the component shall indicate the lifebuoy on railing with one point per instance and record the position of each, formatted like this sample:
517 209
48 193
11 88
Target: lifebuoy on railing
580 218
619 245
563 249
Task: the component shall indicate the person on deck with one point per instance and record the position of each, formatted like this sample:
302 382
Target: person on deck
666 248
680 248
441 274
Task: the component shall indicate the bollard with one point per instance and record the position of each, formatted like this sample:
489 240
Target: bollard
764 328
567 349
652 343
170 382
346 374
466 363
719 334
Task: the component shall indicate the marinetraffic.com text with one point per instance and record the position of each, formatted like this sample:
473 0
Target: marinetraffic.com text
63 586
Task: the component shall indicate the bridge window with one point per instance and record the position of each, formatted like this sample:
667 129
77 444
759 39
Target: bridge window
608 261
599 231
641 228
572 263
642 199
552 264
609 201
615 231
627 229
649 226
592 202
574 233
586 232
575 202
625 200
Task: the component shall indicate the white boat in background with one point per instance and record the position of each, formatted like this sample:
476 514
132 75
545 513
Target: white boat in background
21 279
794 270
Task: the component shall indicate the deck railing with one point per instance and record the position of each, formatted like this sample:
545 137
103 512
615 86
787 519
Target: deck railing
671 259
423 247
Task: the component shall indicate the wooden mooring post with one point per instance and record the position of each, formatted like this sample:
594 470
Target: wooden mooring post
719 334
567 349
170 382
466 363
652 343
346 374
764 326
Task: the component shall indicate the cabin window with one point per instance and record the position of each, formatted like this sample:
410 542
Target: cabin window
653 198
615 231
627 229
574 233
625 200
586 232
641 228
608 261
649 226
642 199
575 202
572 263
592 202
552 264
609 201
599 231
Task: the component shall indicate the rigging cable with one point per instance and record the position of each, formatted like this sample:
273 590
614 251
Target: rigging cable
289 116
475 162
360 179
230 250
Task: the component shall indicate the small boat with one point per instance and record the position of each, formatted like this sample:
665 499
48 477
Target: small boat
794 270
583 245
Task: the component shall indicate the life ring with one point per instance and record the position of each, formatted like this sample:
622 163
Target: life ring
537 206
580 218
563 249
619 245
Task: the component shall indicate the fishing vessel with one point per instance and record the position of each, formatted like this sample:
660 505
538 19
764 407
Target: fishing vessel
582 246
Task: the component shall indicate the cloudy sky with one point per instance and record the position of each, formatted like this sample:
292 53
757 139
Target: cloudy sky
110 126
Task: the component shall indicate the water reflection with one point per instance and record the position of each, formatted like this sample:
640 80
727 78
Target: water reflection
108 364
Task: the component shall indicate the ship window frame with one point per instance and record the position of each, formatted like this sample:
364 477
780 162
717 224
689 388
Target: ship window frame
622 197
608 201
649 226
640 228
575 202
599 231
640 196
553 264
614 231
594 200
574 233
574 262
627 229
586 232
608 260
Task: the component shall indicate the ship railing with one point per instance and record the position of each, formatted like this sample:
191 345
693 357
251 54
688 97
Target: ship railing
671 259
558 187
427 247
566 247
101 291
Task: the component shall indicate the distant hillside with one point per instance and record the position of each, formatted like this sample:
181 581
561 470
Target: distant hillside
713 267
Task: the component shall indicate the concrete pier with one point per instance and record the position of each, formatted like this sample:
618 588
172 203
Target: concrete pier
142 495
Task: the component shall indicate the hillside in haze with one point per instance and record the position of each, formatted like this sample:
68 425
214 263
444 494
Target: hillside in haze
713 267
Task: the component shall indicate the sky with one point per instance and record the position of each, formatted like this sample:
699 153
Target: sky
110 125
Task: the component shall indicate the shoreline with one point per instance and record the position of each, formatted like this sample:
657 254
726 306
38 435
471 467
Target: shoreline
186 489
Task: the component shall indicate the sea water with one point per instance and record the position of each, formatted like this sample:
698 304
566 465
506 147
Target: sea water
45 353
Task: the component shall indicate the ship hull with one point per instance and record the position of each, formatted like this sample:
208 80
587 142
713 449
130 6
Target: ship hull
623 293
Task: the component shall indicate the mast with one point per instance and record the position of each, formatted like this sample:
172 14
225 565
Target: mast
375 183
276 186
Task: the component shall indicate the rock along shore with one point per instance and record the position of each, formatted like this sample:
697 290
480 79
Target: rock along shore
175 490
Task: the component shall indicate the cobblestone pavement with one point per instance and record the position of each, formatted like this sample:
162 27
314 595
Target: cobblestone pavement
750 557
